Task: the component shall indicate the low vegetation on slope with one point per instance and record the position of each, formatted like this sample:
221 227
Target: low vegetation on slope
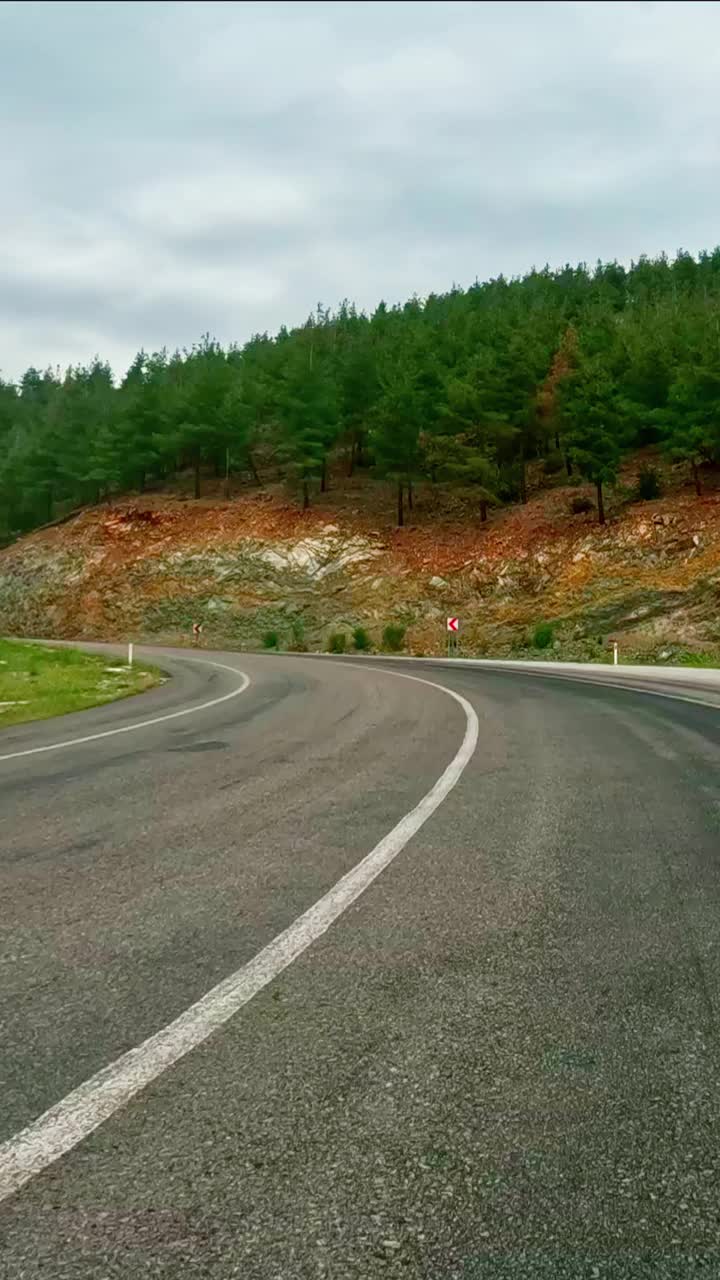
37 682
538 578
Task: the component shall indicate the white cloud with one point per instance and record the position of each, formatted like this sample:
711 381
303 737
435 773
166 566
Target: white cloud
219 199
419 75
172 168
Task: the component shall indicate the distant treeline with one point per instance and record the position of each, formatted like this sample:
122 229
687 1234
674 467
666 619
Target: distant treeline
574 366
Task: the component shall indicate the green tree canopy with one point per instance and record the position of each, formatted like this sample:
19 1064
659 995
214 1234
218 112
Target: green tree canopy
471 386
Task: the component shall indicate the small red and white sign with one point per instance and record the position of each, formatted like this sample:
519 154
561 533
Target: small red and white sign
453 624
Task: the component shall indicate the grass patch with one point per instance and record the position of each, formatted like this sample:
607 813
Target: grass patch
38 682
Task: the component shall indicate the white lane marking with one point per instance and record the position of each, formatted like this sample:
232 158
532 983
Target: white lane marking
82 1111
143 724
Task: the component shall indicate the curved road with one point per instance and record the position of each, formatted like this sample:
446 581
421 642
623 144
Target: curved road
501 1060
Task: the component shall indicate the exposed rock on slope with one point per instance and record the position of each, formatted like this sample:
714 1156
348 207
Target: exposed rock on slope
148 570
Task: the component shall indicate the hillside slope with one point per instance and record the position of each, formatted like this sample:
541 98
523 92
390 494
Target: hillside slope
150 566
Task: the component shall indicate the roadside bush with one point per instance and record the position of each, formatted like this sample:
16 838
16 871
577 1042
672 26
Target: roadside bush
297 643
543 635
648 485
337 642
580 504
361 640
393 637
697 660
271 640
554 463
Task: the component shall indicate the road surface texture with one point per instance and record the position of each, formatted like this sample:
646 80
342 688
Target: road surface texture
501 1061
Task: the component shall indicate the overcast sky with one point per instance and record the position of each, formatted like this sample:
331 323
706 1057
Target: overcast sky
172 168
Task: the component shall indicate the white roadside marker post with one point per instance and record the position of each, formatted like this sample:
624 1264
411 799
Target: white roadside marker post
615 653
130 654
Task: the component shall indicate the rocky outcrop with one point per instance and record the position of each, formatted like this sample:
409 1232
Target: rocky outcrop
246 567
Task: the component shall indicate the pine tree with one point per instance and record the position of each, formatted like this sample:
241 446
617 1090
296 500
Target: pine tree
307 411
692 421
591 425
396 424
200 384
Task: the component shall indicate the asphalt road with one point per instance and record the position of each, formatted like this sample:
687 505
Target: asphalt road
500 1061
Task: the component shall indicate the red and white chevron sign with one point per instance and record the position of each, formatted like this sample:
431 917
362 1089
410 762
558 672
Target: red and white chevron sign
453 624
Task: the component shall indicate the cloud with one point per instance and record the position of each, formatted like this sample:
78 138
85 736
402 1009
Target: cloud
170 169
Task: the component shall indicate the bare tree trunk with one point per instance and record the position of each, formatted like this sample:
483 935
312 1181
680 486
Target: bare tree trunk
351 463
568 465
523 479
196 469
410 493
253 468
483 509
323 476
400 509
600 502
226 486
696 478
306 495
